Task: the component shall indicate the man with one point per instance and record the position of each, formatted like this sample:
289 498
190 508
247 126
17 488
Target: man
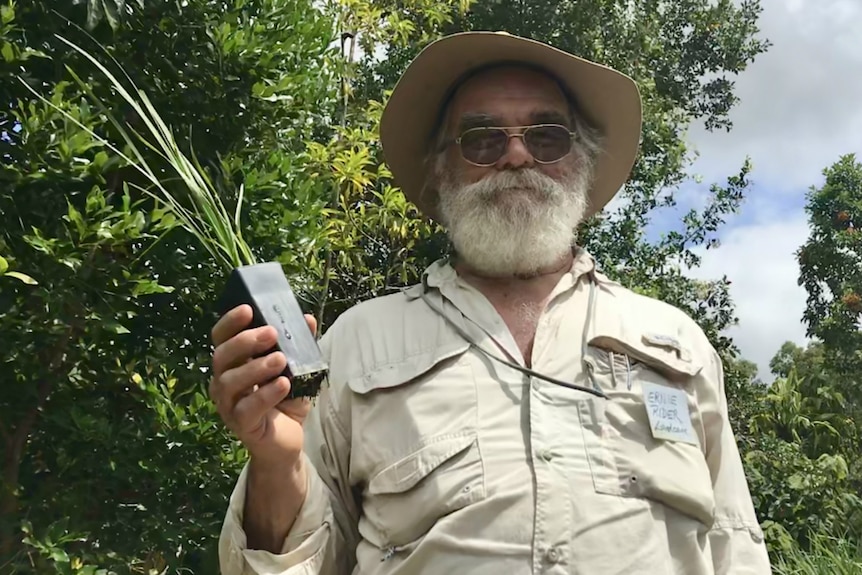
516 412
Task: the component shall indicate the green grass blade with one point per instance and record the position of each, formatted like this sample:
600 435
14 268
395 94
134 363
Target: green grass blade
206 216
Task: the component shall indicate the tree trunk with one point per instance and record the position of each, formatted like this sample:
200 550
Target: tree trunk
15 443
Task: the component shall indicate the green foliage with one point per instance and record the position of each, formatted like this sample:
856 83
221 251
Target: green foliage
796 495
801 445
829 555
200 209
745 394
831 264
802 437
106 421
111 11
822 407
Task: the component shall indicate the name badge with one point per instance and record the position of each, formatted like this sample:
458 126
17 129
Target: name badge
668 413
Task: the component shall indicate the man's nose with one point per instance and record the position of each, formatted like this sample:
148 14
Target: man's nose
516 155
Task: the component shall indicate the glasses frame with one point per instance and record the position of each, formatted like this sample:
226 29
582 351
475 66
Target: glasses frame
519 134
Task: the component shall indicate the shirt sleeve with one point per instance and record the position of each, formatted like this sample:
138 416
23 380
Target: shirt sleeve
736 540
304 548
323 538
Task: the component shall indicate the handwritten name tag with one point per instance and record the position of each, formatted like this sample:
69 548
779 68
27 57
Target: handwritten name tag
668 413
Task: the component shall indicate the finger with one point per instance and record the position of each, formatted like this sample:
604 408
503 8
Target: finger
239 381
231 323
242 347
296 408
251 409
312 323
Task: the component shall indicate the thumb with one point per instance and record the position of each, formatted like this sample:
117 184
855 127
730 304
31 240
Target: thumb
312 323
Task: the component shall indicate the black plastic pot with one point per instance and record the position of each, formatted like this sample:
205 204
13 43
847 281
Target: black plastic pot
265 288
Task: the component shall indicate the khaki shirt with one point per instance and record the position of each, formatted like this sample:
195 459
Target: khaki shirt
432 458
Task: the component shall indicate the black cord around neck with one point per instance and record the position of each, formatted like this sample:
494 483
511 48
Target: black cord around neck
515 366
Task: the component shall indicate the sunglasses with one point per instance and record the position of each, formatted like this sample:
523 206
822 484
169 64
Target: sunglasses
547 143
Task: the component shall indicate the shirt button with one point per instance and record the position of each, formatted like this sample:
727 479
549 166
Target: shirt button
546 455
553 555
756 535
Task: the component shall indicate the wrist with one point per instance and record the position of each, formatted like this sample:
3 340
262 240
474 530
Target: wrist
278 469
275 494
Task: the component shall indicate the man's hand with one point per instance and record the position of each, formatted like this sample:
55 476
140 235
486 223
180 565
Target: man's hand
250 396
250 393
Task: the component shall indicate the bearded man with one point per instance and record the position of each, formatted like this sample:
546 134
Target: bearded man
516 412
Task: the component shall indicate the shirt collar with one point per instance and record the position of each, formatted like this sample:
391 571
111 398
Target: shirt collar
442 274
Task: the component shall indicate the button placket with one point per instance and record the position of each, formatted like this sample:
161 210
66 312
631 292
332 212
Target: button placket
552 522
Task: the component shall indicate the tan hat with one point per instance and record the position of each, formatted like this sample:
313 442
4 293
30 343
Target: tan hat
609 100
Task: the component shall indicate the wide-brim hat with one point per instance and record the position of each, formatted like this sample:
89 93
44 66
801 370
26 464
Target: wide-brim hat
609 100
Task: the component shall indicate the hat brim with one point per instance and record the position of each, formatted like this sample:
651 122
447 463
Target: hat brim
609 99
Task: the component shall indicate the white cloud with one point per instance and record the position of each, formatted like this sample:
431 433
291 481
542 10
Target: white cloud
800 109
759 260
799 106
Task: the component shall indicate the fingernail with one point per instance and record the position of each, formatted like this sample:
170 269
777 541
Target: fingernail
274 359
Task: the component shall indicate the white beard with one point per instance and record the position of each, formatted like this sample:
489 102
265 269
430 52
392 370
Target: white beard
514 222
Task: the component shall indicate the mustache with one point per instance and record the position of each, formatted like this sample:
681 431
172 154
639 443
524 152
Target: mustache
529 179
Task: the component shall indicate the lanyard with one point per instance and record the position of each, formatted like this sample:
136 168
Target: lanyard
591 309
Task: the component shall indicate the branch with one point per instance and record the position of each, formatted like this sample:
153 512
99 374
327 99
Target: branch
327 265
17 442
345 93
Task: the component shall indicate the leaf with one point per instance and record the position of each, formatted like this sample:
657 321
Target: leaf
76 218
796 482
23 277
146 287
4 265
7 14
112 12
100 159
116 327
95 11
7 52
59 556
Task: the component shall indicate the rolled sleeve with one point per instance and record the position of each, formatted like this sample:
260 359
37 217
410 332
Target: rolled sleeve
304 546
736 540
738 547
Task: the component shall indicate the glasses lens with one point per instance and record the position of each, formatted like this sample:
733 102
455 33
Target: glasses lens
483 145
548 143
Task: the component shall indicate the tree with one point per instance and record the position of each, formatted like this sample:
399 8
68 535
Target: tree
802 454
830 269
105 357
805 433
830 264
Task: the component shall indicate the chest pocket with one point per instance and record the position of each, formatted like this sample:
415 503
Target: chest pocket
415 445
626 459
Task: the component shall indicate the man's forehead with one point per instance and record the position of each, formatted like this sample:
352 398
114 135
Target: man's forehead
531 92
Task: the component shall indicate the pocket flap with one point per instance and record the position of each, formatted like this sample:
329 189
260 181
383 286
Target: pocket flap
663 352
406 370
404 474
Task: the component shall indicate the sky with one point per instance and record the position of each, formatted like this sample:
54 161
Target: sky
800 110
